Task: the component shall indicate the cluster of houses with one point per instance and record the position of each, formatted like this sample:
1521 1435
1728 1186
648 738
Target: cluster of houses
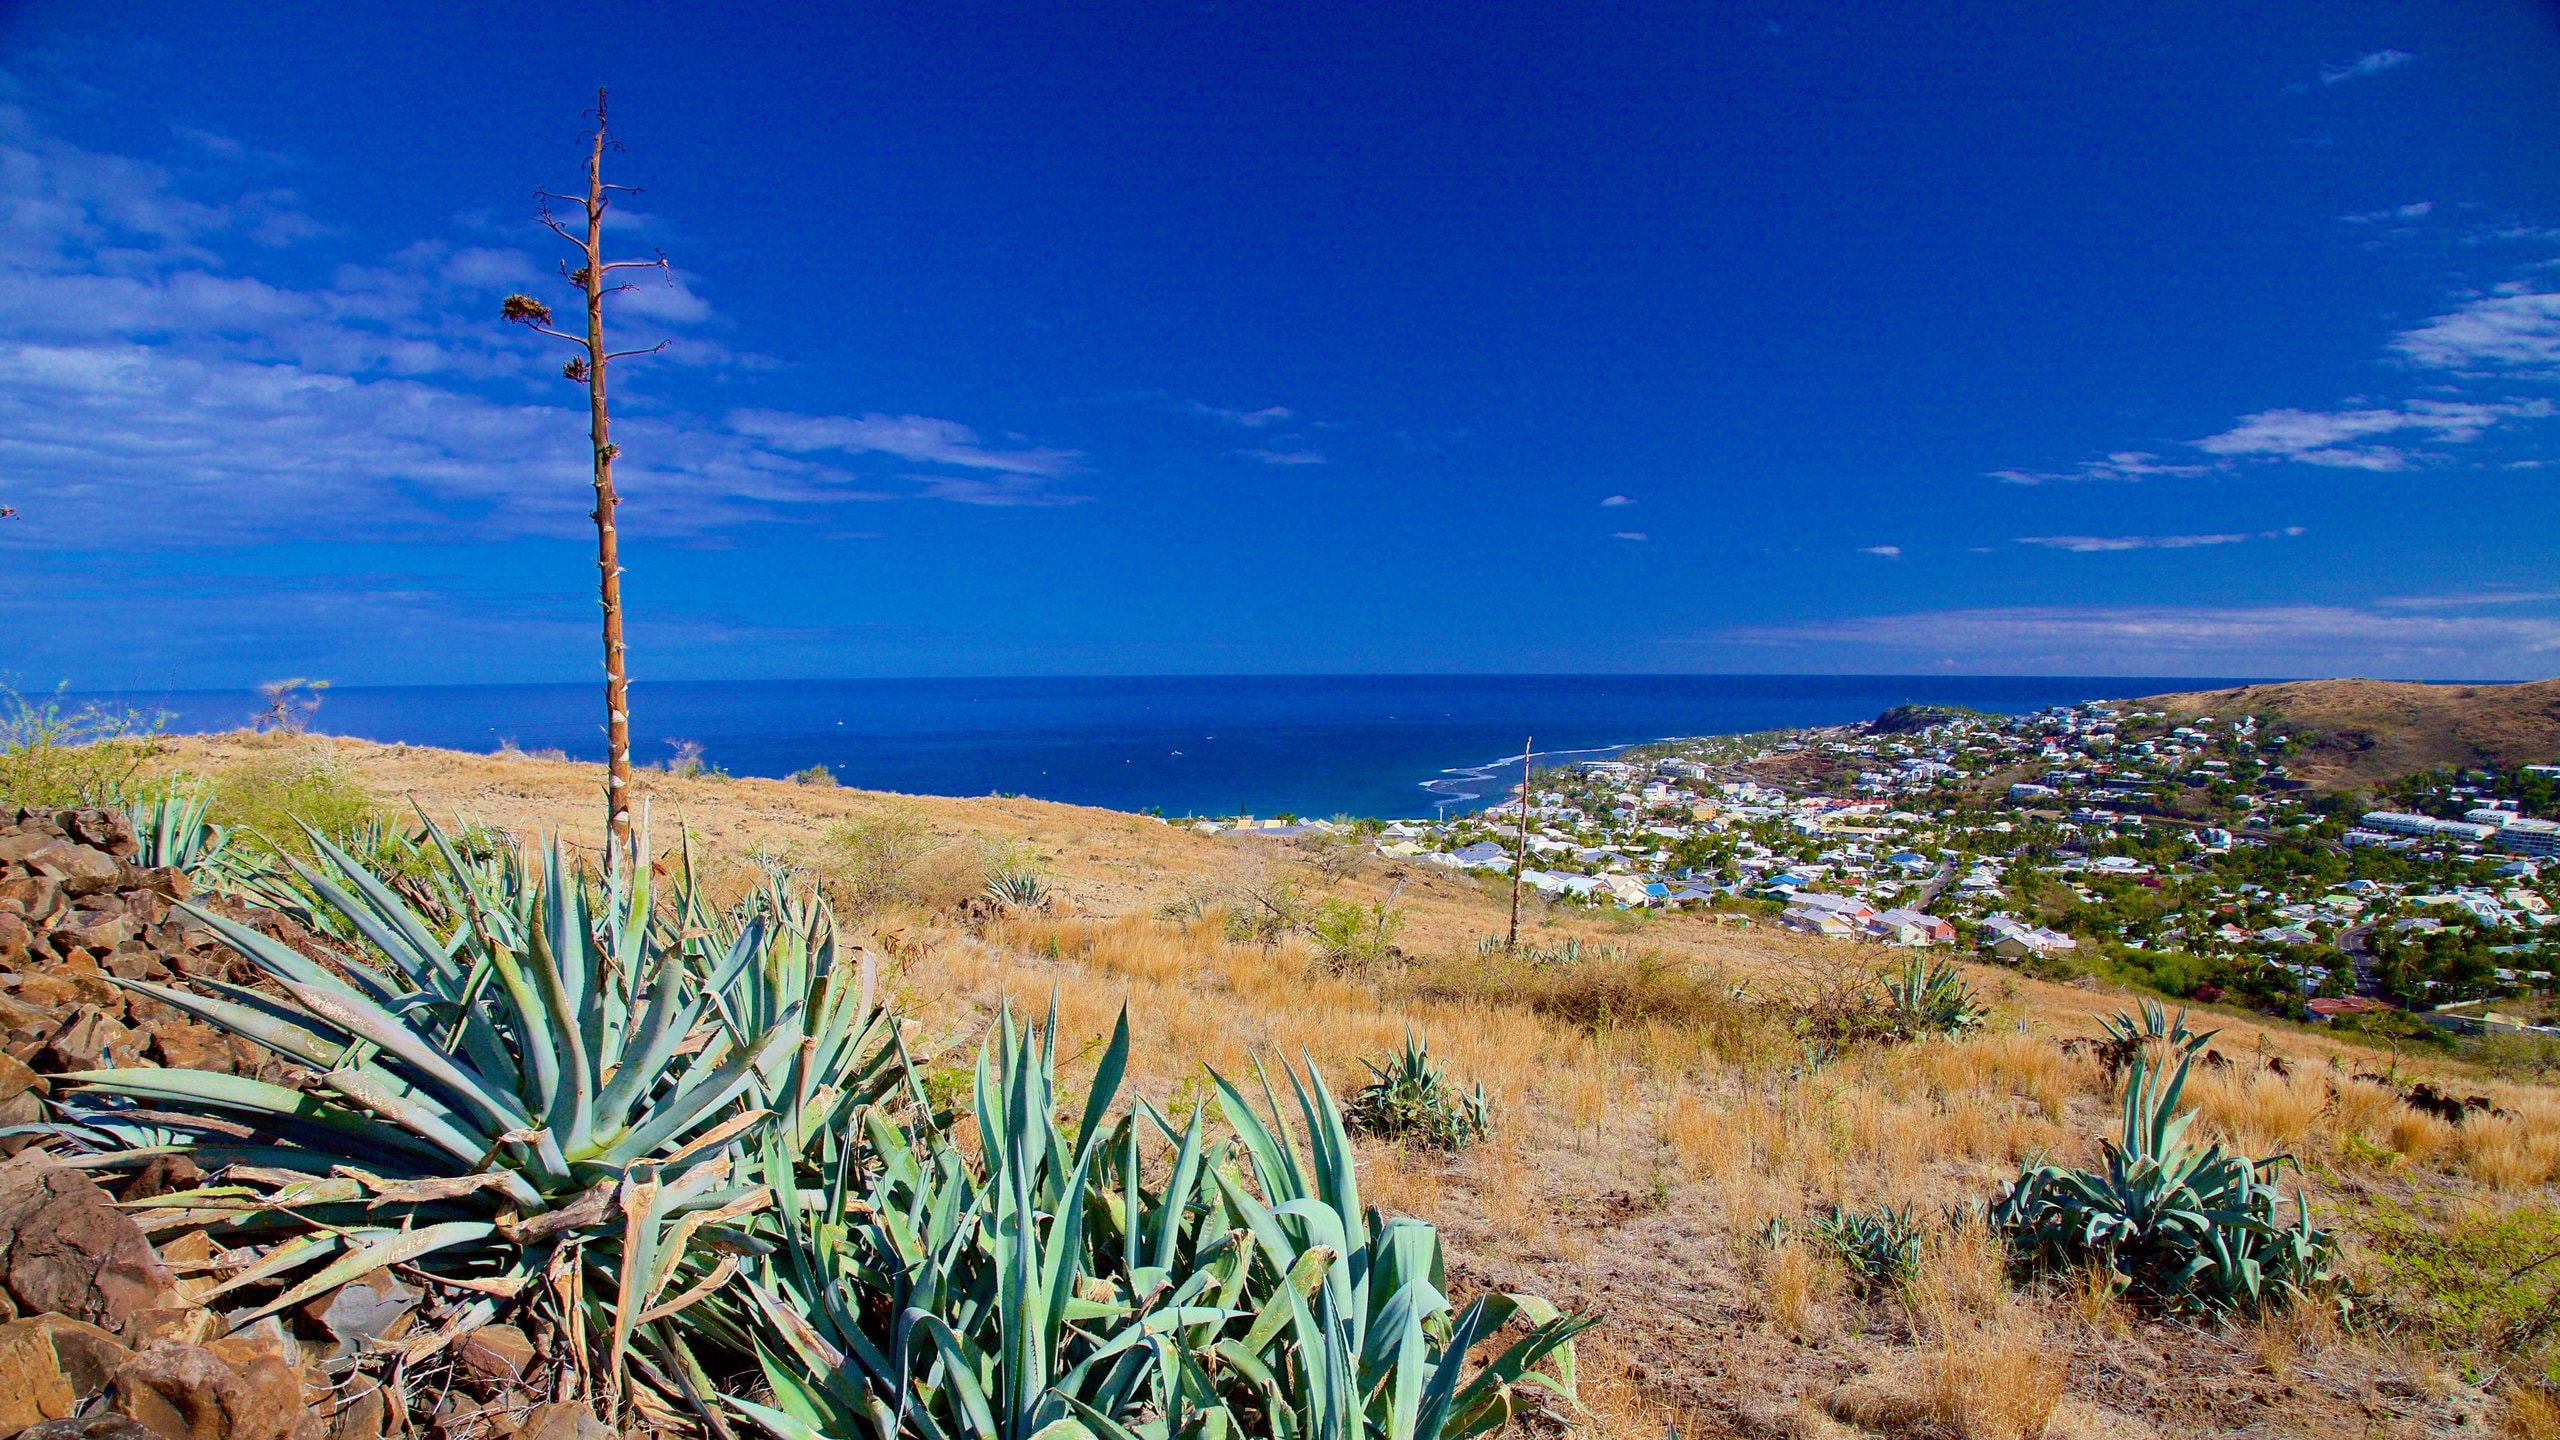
1920 838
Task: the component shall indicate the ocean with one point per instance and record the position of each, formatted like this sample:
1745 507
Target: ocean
1385 746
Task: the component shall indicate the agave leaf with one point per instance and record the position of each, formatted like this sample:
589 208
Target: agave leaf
392 1248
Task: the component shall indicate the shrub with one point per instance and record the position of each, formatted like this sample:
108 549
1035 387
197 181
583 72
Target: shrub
266 803
52 757
817 776
1409 1099
890 857
1351 934
2182 1227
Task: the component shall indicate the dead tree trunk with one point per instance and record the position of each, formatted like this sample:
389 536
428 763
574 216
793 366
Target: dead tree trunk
590 366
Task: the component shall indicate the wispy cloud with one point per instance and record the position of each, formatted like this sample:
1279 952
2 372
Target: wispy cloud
1627 535
2513 327
919 438
2470 599
1617 500
2418 210
2101 544
2365 65
155 388
1285 457
1889 552
1268 415
2168 640
2335 438
2122 465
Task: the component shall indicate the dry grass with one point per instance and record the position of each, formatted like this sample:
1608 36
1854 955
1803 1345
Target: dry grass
1795 1280
2259 1112
1998 1379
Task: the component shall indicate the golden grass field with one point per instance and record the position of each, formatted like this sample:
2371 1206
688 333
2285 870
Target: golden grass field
1651 1123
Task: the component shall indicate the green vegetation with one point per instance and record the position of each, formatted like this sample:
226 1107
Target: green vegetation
683 1148
1352 934
891 856
1409 1099
52 756
1879 1248
1931 999
569 1083
2175 1225
266 803
1044 1286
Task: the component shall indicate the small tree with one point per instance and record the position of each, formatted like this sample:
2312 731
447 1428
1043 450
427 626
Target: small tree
588 368
290 705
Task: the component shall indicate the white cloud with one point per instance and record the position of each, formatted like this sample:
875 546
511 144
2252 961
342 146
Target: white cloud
2512 327
2101 544
918 438
2418 210
1285 457
1617 500
2330 437
2364 65
1250 419
1889 552
2122 465
1628 535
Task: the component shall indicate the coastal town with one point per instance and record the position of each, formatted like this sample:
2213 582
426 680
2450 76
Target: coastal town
2098 839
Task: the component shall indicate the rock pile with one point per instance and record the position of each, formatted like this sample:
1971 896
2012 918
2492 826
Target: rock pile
76 916
102 1336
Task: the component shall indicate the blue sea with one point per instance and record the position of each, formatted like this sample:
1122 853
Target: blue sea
1387 746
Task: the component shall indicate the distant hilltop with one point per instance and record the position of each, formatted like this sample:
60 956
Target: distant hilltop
2359 732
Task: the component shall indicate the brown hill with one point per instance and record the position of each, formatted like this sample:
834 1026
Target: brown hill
2364 731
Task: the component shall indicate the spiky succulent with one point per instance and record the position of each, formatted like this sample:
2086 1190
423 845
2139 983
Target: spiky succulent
568 1075
2155 1023
1408 1098
1931 999
1044 1287
2183 1226
1880 1248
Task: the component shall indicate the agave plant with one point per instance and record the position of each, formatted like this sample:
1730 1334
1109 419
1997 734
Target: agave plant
1880 1248
1931 999
1410 1099
1016 888
567 1086
175 831
2184 1226
2156 1024
1044 1288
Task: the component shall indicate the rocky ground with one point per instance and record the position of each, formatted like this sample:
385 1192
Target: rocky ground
107 1337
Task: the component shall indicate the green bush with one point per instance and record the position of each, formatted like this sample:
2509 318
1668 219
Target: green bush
890 857
52 756
1352 934
266 802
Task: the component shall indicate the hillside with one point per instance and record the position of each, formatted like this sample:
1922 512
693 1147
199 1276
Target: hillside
2365 731
1666 1142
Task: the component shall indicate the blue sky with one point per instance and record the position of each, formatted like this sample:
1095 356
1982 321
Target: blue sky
2185 339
